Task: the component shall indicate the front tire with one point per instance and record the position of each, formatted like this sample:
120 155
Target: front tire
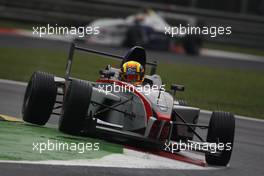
221 130
75 106
192 45
39 98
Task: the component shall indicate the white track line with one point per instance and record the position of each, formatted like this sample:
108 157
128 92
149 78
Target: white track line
232 55
202 111
27 33
19 83
237 116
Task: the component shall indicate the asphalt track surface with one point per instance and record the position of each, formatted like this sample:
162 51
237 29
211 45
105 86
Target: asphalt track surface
247 158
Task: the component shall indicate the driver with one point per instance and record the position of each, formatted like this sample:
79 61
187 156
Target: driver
132 72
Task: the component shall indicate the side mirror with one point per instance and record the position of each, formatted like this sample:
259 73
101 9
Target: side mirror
153 69
106 73
177 87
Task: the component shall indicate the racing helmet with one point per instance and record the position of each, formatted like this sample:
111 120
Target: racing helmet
132 72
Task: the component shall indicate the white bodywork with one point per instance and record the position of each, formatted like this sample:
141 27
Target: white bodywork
113 31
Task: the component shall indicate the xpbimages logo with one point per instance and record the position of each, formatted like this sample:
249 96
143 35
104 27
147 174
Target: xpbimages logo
80 31
212 31
147 89
191 145
57 146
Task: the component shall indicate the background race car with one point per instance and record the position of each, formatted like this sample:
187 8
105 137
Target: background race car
145 29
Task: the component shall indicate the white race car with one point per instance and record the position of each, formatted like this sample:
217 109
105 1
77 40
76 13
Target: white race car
145 29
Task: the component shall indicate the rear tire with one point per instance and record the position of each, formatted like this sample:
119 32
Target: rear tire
133 37
39 98
221 130
192 45
75 106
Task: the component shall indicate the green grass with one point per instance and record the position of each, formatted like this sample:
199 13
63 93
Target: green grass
238 91
19 64
13 133
15 24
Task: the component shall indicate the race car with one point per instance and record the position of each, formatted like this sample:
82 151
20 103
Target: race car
145 29
135 113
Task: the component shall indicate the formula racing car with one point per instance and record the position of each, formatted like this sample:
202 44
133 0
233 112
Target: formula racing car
138 114
145 29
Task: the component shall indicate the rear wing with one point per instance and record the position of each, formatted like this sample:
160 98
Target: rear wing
74 47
